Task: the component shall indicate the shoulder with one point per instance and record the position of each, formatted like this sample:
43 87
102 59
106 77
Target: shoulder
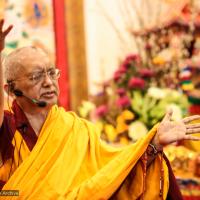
8 121
77 122
7 131
72 116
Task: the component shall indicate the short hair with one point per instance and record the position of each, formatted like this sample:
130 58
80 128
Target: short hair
14 61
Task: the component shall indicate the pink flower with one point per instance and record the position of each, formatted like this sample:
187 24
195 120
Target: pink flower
121 91
101 111
122 70
119 73
129 59
126 64
117 76
123 102
133 57
135 82
146 73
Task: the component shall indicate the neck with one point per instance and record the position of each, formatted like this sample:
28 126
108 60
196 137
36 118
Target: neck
36 120
35 115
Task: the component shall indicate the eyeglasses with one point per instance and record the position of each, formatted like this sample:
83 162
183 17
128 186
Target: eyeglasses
37 77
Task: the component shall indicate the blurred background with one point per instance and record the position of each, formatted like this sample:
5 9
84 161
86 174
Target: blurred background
123 64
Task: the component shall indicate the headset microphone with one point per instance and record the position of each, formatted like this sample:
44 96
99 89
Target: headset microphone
19 93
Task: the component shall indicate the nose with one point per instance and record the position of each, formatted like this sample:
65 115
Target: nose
46 79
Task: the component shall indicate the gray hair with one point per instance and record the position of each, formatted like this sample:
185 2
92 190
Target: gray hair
13 63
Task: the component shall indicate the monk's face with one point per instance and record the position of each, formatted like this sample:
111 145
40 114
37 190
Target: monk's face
37 78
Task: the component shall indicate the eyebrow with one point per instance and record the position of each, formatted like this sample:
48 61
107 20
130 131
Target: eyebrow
40 69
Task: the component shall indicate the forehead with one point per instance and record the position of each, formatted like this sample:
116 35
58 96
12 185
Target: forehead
30 59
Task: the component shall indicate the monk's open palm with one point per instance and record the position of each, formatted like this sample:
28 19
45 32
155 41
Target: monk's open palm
171 131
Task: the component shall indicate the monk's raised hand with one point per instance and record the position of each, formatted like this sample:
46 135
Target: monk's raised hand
3 33
172 131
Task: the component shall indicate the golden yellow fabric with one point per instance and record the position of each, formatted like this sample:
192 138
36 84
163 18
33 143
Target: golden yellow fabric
70 162
193 145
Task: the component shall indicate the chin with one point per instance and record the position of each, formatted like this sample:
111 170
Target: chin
51 102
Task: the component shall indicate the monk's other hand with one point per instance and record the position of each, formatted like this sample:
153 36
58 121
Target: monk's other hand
173 131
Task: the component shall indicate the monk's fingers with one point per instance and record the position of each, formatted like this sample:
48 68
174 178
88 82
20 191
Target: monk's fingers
191 137
3 33
192 130
168 116
191 118
1 25
7 30
188 126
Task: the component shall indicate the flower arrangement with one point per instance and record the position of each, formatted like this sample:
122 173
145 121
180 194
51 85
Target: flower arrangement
164 74
133 101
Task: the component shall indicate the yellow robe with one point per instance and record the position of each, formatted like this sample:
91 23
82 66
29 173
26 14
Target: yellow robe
69 161
193 145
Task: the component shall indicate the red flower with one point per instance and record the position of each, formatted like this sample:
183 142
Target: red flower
117 76
122 70
101 111
129 59
119 73
126 64
146 73
123 102
133 57
121 91
136 83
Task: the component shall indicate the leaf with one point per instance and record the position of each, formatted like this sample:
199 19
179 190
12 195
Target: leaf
12 44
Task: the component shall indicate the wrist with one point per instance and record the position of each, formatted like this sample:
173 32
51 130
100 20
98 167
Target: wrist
156 143
154 146
153 150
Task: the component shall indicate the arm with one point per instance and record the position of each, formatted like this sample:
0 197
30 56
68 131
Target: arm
1 92
3 35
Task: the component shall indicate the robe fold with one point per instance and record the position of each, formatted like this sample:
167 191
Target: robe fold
69 161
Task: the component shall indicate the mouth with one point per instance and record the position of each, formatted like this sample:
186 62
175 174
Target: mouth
49 94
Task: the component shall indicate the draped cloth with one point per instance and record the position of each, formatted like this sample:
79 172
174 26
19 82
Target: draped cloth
193 145
69 161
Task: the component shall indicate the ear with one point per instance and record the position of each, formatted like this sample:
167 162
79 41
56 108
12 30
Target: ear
9 89
6 88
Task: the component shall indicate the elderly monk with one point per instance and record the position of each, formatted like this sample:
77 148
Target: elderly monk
48 153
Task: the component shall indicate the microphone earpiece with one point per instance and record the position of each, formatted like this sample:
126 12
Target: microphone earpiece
41 103
19 93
